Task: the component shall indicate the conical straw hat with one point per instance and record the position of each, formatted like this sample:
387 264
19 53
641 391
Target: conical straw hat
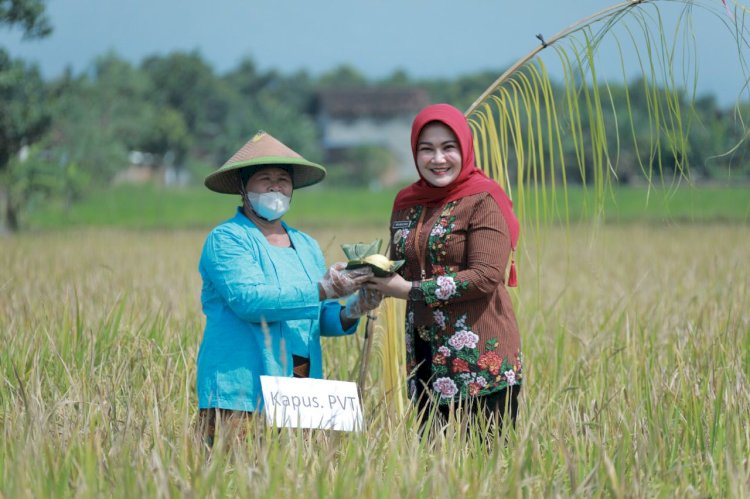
263 150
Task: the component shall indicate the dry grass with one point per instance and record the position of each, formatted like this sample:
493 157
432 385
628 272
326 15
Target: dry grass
637 349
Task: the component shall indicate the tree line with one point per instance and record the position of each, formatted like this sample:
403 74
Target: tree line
73 133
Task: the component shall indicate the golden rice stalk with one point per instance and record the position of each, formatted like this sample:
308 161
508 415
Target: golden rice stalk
389 330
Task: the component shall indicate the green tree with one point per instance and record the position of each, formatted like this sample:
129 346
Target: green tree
185 83
460 91
23 120
97 119
281 105
344 75
23 114
28 14
399 78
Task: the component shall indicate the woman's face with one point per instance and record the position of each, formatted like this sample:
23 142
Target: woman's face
270 179
438 155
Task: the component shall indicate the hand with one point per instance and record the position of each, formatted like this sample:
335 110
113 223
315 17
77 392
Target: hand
338 281
393 285
362 302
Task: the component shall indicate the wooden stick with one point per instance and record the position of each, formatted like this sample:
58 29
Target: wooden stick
366 347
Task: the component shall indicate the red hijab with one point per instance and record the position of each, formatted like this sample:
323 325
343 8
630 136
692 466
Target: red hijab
471 180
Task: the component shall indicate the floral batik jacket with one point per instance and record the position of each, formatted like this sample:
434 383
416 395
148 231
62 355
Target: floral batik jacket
458 253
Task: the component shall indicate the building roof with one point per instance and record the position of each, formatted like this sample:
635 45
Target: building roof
380 102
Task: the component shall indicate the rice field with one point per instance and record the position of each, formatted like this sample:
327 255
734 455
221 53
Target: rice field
636 341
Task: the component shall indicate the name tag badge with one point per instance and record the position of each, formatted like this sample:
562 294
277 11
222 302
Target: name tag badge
402 224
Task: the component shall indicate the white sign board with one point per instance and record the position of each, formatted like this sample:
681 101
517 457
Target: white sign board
311 403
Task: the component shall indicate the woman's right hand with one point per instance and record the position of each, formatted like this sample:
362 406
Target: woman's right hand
338 282
392 285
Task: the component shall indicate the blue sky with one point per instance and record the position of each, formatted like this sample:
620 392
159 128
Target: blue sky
438 38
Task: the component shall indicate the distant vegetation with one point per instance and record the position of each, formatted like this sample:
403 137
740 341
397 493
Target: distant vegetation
69 136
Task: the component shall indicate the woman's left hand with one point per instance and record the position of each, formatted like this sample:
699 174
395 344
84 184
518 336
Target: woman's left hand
393 285
362 302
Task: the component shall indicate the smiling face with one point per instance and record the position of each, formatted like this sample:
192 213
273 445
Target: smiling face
438 155
270 179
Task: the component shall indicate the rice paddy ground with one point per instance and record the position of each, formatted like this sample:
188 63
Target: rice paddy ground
636 339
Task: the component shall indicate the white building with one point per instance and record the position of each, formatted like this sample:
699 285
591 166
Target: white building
381 116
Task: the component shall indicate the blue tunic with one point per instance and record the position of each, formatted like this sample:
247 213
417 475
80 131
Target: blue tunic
262 305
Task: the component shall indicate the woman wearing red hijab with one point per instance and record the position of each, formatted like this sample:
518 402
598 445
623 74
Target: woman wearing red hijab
456 230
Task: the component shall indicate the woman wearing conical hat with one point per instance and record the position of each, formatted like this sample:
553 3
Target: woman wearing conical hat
267 295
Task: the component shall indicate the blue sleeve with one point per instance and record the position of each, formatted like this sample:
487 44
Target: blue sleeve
330 320
237 276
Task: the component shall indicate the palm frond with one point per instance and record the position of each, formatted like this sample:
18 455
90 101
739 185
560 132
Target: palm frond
532 134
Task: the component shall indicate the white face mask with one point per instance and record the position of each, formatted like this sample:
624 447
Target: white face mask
269 205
